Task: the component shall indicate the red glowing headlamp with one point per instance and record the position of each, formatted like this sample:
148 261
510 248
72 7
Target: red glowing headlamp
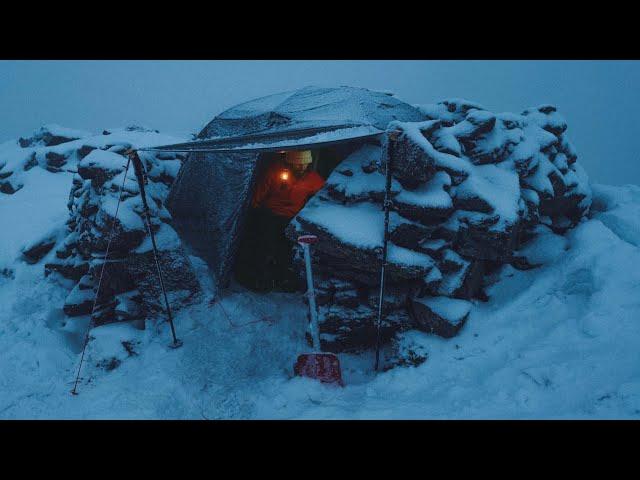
284 175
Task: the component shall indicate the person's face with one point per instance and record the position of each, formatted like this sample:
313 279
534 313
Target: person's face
299 169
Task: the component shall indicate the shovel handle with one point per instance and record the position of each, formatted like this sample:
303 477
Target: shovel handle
315 331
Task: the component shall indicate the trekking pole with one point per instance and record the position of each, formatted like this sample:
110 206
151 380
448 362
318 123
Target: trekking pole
140 175
387 206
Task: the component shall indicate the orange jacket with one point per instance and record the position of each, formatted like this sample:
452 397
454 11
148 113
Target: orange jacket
285 194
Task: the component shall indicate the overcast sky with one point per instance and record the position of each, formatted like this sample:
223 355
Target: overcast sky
599 99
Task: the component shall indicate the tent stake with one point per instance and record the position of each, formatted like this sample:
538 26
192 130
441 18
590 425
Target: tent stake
140 174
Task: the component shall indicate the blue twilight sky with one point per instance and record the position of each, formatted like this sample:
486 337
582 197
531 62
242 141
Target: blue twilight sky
599 99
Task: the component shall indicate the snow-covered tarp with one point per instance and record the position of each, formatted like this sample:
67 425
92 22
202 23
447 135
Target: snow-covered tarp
208 203
311 108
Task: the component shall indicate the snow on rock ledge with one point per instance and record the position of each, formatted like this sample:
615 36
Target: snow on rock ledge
440 315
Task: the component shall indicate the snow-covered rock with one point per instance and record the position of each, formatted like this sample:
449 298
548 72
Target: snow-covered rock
99 221
35 250
471 191
100 166
79 301
97 167
440 315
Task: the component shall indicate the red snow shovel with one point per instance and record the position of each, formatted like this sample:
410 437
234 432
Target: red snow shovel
321 366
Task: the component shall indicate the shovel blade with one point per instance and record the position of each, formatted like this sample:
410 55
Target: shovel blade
320 366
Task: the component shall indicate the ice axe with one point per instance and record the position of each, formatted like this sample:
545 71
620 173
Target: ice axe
321 366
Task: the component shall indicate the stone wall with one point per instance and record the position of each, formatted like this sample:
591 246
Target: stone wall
469 189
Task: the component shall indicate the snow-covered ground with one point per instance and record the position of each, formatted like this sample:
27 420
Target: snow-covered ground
559 341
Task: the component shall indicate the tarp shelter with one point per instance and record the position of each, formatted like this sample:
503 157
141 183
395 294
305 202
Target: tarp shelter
211 195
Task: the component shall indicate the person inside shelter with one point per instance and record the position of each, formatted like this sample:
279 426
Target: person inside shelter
265 254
